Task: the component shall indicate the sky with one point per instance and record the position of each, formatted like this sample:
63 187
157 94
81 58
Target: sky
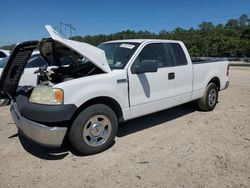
25 20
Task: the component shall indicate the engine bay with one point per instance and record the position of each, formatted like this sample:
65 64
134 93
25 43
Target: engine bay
51 76
64 64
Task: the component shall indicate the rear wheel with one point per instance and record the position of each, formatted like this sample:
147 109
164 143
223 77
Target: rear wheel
209 99
94 129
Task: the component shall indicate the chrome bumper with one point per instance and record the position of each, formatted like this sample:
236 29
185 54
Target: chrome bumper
48 136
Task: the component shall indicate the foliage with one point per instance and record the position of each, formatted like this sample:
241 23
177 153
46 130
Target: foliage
7 47
231 39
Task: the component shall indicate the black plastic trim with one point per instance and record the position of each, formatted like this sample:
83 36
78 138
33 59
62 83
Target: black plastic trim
14 68
205 61
46 114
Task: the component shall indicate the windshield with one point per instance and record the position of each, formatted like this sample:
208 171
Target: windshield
118 53
3 62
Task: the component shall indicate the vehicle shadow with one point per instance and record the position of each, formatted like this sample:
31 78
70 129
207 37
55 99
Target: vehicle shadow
151 120
126 128
41 151
46 153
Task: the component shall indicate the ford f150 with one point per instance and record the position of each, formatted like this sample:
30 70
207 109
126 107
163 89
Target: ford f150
101 86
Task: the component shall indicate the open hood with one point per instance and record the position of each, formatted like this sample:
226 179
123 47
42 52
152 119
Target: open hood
94 54
20 55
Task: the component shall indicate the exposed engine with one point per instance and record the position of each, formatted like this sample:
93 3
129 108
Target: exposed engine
47 76
67 63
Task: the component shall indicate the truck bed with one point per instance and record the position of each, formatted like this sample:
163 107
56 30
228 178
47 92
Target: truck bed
200 61
203 71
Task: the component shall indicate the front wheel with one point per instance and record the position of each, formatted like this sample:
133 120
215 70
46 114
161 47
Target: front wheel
209 99
94 129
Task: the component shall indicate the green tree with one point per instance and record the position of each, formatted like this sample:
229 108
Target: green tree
231 39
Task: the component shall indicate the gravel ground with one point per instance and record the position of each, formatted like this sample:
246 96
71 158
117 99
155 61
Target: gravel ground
178 147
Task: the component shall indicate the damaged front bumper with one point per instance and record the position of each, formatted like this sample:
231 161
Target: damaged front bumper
39 133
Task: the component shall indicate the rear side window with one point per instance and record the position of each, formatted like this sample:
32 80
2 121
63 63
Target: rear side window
178 54
156 51
2 55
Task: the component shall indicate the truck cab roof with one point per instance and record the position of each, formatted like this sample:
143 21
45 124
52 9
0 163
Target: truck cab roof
144 40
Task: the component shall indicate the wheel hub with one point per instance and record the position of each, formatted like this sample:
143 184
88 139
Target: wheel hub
96 129
212 97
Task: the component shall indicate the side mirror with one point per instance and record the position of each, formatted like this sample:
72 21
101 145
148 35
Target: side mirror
145 66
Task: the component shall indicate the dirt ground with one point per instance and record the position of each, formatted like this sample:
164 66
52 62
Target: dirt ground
178 147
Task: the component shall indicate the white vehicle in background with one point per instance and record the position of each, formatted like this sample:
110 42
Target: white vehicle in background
28 77
103 86
4 53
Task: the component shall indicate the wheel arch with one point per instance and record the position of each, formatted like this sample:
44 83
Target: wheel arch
216 81
110 102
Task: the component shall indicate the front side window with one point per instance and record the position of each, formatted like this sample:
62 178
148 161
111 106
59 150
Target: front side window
158 52
118 53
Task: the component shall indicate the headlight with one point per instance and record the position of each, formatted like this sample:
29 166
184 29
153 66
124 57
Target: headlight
46 95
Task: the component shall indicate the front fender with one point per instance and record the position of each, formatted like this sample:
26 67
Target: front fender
79 91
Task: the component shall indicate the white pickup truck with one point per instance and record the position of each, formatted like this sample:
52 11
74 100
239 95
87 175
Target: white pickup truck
103 86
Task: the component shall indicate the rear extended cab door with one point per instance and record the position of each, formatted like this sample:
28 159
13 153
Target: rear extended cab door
183 73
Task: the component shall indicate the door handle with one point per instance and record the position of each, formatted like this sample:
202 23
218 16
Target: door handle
171 76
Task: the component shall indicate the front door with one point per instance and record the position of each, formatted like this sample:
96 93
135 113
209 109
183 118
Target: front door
151 92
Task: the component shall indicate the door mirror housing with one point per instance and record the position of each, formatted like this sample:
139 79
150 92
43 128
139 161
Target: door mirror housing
145 66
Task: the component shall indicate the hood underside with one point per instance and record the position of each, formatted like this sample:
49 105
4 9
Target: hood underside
56 48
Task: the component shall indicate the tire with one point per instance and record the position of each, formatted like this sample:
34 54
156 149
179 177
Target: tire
209 99
93 130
